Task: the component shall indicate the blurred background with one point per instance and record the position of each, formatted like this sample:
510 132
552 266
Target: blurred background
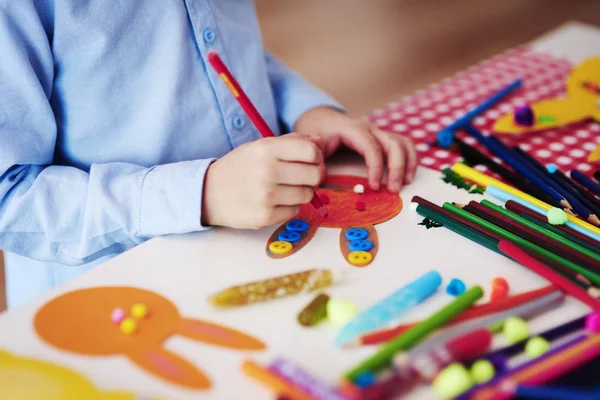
368 53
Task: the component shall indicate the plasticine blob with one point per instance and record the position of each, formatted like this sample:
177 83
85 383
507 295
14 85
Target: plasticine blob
354 213
80 322
30 379
582 103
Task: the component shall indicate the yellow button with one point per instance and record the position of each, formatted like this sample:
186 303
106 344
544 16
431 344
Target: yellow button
280 247
360 258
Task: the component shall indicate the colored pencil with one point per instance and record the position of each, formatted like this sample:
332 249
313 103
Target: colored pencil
575 224
408 339
473 156
597 176
519 255
580 177
572 187
578 202
479 311
485 180
261 125
564 230
482 107
276 383
535 234
592 276
554 393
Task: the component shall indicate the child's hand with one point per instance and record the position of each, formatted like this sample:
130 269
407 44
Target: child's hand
263 182
337 128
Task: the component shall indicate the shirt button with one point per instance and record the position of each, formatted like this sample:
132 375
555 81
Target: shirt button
238 122
209 36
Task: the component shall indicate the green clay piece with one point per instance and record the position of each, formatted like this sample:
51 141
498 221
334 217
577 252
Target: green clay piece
515 329
315 311
429 223
556 216
536 347
452 381
340 312
482 371
546 119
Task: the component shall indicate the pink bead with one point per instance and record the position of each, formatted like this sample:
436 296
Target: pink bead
592 322
117 316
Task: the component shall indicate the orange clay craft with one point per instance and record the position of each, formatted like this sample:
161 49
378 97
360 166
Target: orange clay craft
354 213
83 322
24 378
582 103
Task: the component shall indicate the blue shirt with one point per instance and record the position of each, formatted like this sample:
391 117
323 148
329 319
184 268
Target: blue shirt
109 118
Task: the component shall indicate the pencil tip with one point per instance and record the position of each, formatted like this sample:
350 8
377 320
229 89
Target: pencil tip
593 219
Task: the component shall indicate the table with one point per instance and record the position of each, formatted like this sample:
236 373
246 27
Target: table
187 269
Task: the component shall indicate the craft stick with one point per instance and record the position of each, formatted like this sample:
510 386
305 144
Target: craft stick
473 156
532 233
562 230
485 181
474 112
502 195
274 382
592 276
580 204
553 364
413 336
519 255
390 307
550 335
244 101
585 181
273 288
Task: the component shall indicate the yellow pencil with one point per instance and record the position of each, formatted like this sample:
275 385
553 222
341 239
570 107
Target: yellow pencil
485 180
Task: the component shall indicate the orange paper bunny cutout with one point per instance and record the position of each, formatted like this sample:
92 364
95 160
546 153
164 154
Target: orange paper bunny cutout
582 103
342 213
80 322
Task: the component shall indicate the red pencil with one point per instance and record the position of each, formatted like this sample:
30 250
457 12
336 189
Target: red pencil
520 256
492 307
251 111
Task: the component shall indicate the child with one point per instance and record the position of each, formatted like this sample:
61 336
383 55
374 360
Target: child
114 129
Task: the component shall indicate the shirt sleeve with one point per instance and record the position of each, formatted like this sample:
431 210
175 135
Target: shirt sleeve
293 94
60 213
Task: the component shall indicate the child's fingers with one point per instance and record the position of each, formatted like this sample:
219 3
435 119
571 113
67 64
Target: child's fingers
297 149
396 159
365 144
285 195
283 213
411 158
299 174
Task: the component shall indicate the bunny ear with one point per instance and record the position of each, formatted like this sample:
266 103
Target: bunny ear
594 155
171 367
116 396
548 114
218 335
359 245
284 241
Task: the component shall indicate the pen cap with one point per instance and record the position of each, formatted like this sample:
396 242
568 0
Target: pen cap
426 285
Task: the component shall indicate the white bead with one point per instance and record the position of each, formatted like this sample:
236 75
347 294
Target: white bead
359 189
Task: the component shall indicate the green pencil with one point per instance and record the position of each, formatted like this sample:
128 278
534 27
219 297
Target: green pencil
543 231
459 228
408 339
593 277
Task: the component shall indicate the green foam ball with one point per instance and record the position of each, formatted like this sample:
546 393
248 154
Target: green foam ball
340 312
452 381
536 347
482 371
556 216
515 329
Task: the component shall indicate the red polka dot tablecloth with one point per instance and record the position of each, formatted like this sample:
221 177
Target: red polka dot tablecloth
422 115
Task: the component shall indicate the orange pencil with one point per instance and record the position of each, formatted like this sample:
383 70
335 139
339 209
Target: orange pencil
251 111
274 382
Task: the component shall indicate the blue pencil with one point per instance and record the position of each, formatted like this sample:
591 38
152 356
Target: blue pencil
554 393
585 181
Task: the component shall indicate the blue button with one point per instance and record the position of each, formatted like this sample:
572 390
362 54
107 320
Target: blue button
361 245
297 225
357 234
445 138
209 36
239 122
290 236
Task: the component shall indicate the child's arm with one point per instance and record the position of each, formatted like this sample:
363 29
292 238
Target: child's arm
65 214
304 108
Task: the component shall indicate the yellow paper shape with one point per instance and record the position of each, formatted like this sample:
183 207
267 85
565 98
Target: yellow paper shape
30 379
